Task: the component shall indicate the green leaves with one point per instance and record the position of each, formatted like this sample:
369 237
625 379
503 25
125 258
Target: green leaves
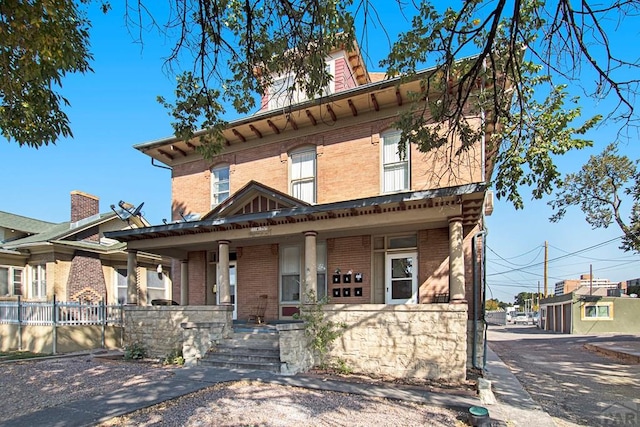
42 41
598 189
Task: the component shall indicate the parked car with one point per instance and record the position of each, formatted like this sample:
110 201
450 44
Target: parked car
536 318
522 318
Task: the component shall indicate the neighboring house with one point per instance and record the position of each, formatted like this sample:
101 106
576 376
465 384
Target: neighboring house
73 261
312 195
591 311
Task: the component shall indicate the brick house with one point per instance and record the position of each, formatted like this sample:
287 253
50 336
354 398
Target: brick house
73 260
312 195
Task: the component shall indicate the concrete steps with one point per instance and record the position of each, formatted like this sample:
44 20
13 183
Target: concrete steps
255 348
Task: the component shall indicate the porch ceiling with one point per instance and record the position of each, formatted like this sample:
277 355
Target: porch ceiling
391 213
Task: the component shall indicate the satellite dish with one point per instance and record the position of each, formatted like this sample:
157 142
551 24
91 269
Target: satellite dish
137 210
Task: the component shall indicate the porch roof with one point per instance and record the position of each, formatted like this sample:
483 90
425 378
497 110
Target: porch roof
469 198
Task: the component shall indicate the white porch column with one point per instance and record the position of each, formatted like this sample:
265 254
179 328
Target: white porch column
224 286
456 260
184 282
132 277
310 267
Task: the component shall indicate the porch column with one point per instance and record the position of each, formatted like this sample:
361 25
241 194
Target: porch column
456 261
184 282
132 277
310 267
223 272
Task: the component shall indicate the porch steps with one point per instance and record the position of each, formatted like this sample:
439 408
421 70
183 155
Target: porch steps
249 348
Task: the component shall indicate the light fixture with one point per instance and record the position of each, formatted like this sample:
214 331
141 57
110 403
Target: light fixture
159 269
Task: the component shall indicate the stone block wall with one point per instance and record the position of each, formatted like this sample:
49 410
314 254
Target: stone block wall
158 328
295 355
426 341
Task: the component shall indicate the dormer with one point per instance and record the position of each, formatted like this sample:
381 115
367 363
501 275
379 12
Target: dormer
345 65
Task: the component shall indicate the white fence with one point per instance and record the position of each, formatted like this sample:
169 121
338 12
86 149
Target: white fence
59 313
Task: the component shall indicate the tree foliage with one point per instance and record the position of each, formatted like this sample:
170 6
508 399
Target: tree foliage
525 56
41 42
599 189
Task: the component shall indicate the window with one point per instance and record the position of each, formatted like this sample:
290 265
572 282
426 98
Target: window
598 311
219 185
121 285
10 281
39 281
292 261
303 175
156 285
290 274
395 167
283 92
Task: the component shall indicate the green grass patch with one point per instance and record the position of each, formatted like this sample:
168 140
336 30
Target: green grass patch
19 355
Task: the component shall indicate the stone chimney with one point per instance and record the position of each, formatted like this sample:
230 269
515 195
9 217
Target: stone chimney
83 205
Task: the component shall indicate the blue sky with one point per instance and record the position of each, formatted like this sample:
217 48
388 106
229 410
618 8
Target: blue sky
115 107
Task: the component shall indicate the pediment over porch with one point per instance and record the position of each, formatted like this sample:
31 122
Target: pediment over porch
254 198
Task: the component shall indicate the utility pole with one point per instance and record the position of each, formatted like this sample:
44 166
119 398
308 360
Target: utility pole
590 279
546 260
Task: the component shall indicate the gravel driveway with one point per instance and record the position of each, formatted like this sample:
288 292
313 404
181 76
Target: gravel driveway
29 386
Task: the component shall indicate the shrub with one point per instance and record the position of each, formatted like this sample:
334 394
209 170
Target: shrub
135 351
174 358
322 332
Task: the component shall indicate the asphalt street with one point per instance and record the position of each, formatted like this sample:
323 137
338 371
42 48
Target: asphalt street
573 384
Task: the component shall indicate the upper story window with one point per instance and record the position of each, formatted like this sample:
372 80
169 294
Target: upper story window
219 185
395 167
283 92
303 174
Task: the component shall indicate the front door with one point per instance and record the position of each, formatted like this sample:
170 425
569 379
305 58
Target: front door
233 285
401 278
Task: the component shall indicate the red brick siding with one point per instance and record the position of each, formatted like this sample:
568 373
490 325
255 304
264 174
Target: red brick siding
350 253
197 278
257 275
433 263
348 167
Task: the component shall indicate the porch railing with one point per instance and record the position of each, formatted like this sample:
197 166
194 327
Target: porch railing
60 313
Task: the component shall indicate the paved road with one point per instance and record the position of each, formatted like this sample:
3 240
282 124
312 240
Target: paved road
574 385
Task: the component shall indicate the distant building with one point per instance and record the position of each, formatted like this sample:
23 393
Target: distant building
567 286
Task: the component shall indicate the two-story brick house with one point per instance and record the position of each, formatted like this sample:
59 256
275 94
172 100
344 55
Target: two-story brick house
312 195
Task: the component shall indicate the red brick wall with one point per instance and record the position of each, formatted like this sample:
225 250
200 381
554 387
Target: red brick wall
433 263
83 205
257 275
348 167
349 253
197 278
86 279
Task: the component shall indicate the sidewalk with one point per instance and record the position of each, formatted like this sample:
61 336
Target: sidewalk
514 406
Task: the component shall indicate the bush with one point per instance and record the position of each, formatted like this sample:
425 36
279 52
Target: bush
322 332
135 351
174 358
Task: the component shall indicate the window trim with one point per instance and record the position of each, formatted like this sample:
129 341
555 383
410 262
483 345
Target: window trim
313 179
216 181
11 282
35 272
583 311
383 166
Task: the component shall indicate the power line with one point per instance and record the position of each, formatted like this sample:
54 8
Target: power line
557 258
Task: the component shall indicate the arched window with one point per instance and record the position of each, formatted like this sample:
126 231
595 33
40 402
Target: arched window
219 184
302 174
395 167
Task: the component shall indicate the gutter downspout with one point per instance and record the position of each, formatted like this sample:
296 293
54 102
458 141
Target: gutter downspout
159 166
476 298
